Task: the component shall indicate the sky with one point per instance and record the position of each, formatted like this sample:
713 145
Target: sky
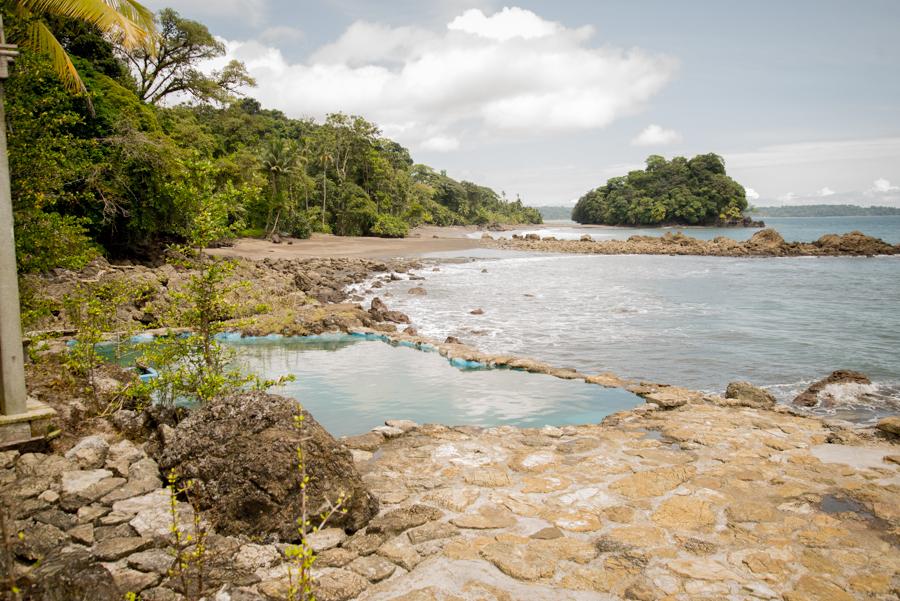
548 99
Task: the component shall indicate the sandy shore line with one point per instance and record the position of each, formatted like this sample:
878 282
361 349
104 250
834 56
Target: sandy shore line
421 241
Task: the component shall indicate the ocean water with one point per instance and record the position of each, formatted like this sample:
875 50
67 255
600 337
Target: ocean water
352 385
799 229
693 321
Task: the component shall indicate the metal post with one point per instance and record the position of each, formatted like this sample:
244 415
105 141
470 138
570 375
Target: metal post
12 356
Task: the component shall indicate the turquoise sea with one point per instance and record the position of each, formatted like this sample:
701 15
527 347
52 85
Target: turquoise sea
694 321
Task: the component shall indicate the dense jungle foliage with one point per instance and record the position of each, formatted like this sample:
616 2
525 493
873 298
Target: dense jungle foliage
122 168
678 192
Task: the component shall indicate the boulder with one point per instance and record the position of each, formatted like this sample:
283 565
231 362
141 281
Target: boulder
750 395
890 425
810 396
241 453
417 291
854 243
767 239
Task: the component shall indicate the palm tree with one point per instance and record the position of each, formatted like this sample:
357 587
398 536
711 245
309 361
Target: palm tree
325 157
126 21
279 158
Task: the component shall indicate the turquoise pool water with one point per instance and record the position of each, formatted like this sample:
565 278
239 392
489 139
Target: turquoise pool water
351 384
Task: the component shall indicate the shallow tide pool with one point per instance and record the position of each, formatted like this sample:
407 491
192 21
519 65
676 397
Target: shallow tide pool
351 385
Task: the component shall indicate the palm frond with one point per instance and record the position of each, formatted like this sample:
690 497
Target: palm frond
41 39
127 20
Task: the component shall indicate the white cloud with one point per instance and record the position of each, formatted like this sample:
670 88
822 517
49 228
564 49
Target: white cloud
751 194
883 186
825 192
507 24
511 71
654 135
441 143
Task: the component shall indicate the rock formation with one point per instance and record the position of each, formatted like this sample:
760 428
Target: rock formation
241 453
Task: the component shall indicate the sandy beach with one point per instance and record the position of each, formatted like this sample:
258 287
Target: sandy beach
421 241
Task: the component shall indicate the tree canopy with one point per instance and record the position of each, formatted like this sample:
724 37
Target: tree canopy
682 191
121 180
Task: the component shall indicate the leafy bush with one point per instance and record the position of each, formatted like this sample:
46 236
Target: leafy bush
388 226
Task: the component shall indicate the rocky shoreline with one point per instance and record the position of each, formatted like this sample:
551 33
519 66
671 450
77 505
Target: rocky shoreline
690 496
765 243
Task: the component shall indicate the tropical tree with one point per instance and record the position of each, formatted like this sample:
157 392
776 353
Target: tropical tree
168 64
126 21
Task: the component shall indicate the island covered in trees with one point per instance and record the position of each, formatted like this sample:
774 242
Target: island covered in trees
120 165
682 191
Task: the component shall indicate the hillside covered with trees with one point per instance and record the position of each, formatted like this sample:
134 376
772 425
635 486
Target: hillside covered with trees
122 165
682 191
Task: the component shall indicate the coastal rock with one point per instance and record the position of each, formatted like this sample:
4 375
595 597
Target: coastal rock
417 291
853 243
810 396
890 425
672 397
767 239
241 451
750 395
380 312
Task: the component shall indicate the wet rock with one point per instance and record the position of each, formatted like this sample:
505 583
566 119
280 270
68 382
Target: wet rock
417 291
452 340
750 395
810 396
478 311
241 451
890 425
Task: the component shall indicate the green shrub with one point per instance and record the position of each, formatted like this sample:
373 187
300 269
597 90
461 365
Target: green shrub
388 226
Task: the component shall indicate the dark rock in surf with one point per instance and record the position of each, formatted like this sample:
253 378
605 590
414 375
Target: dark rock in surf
810 396
749 395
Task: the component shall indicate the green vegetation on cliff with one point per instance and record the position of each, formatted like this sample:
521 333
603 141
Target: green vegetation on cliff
682 191
824 211
121 168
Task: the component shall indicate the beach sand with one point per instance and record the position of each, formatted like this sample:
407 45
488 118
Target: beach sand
421 241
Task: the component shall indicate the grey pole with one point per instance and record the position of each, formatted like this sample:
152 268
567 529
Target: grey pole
12 356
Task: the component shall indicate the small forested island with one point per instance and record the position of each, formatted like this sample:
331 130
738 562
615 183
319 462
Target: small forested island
824 211
682 191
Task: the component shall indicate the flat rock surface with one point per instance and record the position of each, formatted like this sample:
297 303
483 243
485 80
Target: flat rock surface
729 503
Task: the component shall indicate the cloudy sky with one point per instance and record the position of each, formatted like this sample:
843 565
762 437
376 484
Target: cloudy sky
548 99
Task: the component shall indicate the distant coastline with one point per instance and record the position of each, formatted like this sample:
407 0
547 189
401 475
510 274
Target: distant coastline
823 211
